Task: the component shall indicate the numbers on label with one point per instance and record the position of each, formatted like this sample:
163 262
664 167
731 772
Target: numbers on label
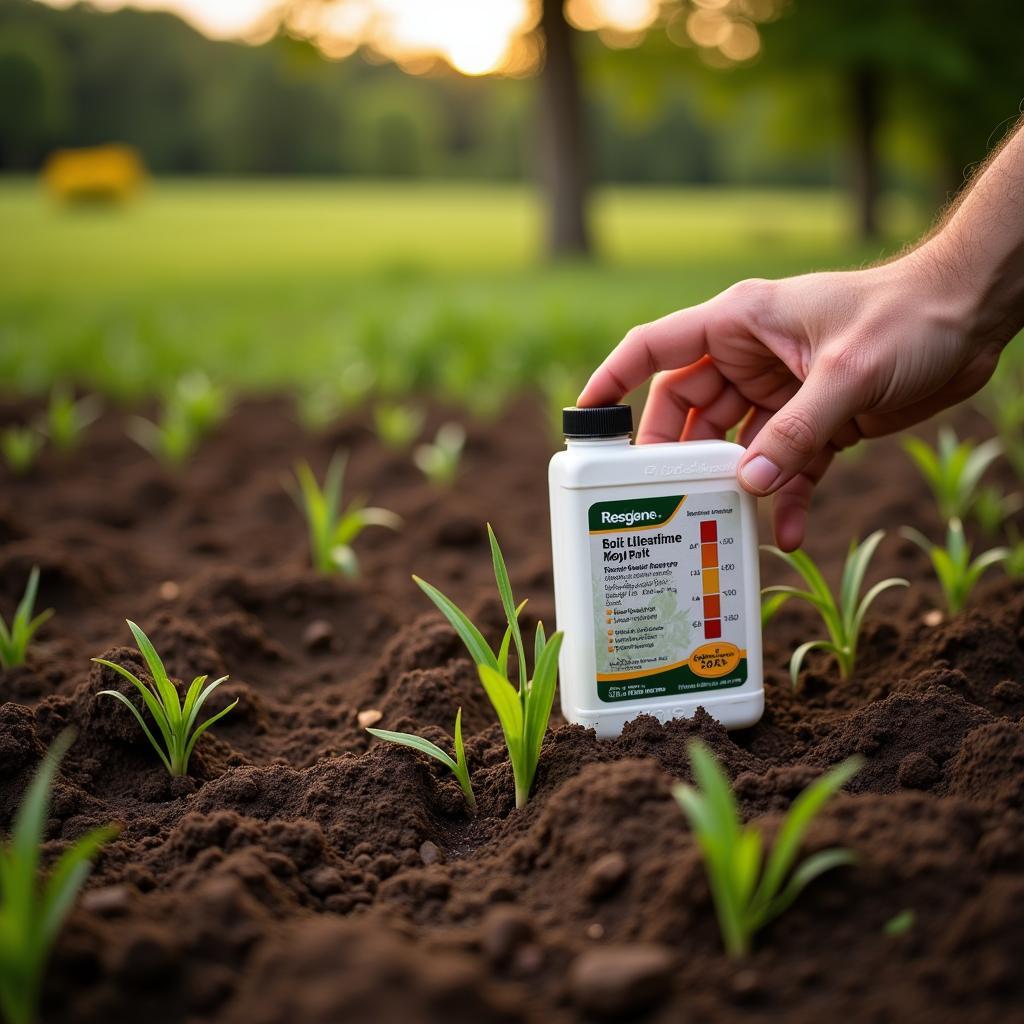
732 618
727 540
731 592
727 566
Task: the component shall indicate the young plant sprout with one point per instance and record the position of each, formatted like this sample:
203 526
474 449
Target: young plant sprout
952 469
748 890
1005 408
957 572
523 712
21 447
439 460
333 529
992 508
397 425
843 619
175 721
33 905
1014 564
458 766
67 418
15 639
194 407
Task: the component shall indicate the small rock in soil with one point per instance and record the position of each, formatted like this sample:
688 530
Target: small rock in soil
605 875
169 591
431 853
110 901
325 880
932 618
318 635
617 981
371 716
505 928
745 985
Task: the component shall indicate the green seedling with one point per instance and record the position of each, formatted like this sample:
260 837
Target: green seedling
770 607
332 528
67 419
458 766
953 469
1014 564
1005 408
843 618
34 905
901 923
957 572
992 509
748 890
15 638
193 408
21 447
397 425
439 460
524 712
175 721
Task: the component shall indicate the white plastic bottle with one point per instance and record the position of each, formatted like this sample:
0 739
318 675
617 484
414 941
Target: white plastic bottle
656 577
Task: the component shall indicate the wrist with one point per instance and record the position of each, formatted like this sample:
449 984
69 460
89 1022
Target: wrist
974 290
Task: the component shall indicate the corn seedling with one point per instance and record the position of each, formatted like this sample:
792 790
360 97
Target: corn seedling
992 509
193 408
952 469
175 721
1005 408
67 418
524 712
901 923
15 638
749 890
397 425
770 607
21 447
332 528
843 618
458 766
1014 564
439 460
33 905
957 572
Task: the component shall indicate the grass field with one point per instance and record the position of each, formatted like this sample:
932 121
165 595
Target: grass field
438 286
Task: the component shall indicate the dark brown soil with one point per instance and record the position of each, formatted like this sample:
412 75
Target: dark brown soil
304 874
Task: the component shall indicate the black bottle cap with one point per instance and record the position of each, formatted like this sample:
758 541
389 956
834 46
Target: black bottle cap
596 422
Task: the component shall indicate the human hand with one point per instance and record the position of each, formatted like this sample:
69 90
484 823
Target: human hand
806 366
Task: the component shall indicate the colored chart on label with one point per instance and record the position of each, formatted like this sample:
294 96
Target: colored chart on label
710 579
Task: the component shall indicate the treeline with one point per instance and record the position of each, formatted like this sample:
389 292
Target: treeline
79 77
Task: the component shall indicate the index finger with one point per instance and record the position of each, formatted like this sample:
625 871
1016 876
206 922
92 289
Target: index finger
677 339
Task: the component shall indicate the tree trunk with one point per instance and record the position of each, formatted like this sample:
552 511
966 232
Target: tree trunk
562 138
866 177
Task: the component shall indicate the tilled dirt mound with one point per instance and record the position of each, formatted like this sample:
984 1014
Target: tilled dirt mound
303 873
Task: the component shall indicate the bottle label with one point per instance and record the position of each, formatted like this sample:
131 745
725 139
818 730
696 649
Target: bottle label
668 601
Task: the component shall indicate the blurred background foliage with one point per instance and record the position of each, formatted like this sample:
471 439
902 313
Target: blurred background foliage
389 213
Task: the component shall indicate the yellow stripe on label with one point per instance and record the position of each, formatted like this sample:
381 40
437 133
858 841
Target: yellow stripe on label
710 661
638 529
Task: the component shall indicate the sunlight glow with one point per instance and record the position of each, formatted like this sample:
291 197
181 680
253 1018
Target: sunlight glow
475 37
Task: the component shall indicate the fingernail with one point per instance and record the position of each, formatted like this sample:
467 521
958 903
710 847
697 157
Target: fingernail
760 473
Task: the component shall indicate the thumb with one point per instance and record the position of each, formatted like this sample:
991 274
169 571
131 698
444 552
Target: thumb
794 437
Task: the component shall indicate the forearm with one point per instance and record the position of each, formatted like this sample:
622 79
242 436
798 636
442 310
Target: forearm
976 258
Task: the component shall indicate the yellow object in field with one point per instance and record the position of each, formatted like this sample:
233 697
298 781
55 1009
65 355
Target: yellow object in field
98 174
